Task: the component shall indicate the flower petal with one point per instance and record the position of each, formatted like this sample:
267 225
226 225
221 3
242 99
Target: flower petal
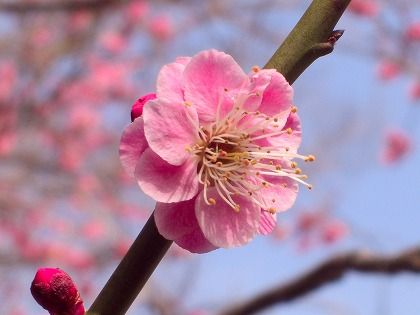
174 220
195 242
223 226
169 84
267 222
258 82
277 98
291 141
165 182
280 194
170 129
209 77
132 145
177 222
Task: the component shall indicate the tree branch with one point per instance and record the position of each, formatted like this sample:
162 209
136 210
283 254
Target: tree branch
312 37
330 270
22 7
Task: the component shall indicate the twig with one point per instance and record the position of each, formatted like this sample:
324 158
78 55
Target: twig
132 273
330 270
24 7
312 37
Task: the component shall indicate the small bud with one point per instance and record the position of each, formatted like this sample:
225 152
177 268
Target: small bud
137 108
55 291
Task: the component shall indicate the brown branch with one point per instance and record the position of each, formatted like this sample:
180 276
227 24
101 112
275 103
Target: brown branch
68 5
331 270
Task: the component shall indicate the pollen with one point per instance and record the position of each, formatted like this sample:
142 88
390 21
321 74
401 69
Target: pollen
256 69
234 162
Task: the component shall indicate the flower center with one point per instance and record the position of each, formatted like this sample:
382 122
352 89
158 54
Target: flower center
236 157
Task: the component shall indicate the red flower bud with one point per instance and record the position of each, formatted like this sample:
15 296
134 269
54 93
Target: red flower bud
137 109
55 291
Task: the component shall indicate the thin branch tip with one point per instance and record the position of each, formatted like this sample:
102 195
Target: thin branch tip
335 36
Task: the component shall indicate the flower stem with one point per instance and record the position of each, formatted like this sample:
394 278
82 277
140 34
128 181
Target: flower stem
312 37
132 273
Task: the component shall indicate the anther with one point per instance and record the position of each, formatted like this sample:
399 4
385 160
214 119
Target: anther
293 164
310 158
212 201
188 103
294 109
289 131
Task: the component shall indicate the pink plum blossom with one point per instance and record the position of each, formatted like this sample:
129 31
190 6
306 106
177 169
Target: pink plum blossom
136 10
215 149
113 42
388 69
368 8
397 145
55 291
161 27
334 231
412 32
414 91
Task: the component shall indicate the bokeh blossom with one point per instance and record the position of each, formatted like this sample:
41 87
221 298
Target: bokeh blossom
215 149
412 32
397 144
368 8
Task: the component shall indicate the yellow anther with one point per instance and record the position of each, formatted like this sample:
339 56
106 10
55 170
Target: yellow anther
212 201
294 109
237 208
289 131
310 158
298 171
272 210
293 165
255 69
188 103
278 167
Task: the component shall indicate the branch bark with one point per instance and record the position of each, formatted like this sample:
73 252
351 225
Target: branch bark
329 271
22 7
